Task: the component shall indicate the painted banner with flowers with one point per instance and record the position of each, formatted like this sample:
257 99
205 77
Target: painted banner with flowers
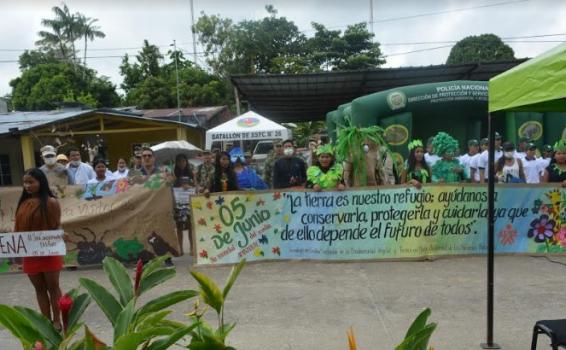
381 223
128 219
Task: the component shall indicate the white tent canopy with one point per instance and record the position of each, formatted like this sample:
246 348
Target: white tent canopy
248 126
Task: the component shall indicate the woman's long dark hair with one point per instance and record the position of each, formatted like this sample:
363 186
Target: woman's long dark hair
178 172
230 174
412 163
44 191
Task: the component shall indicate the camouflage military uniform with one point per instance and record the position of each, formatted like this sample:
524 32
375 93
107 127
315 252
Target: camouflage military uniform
272 157
205 176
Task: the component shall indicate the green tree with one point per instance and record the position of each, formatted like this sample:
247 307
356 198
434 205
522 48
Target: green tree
256 46
43 86
65 29
89 31
149 84
481 48
275 45
351 50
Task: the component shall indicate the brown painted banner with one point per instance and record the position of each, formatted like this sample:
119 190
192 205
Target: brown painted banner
125 219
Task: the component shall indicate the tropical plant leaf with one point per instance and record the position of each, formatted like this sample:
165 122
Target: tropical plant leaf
155 264
80 304
418 340
151 319
120 279
105 301
419 322
133 340
232 277
124 320
164 301
166 343
225 330
207 342
210 292
155 278
91 342
41 324
19 326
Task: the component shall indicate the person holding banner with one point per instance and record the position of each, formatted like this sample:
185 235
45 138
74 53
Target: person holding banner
248 179
122 169
509 168
289 170
38 210
556 171
417 171
224 176
448 169
205 172
102 173
327 175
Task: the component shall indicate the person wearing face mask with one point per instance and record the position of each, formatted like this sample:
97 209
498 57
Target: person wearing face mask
448 169
122 170
289 171
57 174
79 173
509 168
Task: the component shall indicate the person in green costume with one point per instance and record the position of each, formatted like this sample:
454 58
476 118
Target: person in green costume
416 171
448 169
327 175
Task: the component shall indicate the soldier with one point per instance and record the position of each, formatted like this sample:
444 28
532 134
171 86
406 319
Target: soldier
272 157
205 172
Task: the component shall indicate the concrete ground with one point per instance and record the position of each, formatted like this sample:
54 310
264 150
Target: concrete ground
310 305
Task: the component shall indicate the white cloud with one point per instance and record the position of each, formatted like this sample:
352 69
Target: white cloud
128 23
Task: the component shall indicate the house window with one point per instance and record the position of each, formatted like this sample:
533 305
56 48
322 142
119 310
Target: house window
5 171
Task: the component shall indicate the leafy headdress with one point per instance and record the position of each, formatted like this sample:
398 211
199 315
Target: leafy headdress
415 144
325 149
350 147
443 143
560 146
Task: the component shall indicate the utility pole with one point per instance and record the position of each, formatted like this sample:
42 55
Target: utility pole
177 77
370 16
194 36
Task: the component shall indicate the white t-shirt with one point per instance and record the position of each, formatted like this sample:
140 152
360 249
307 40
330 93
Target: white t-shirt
107 178
466 161
431 159
532 169
544 163
120 175
520 155
483 161
474 165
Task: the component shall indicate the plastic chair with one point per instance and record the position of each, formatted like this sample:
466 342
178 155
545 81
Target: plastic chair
555 329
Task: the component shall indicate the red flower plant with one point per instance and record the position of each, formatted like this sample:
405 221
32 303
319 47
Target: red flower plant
209 205
38 345
218 228
65 306
202 222
277 195
139 270
203 254
260 202
276 250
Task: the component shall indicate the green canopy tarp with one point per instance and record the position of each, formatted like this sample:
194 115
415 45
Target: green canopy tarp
536 85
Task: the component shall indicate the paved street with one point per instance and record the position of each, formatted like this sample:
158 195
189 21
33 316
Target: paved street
310 305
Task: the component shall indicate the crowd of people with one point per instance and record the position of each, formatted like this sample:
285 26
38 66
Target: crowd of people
437 161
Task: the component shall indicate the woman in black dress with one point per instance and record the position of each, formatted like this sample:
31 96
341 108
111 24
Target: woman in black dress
556 171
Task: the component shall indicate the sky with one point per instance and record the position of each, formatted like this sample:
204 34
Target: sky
400 26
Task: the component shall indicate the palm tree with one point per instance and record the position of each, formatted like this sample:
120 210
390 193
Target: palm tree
89 31
65 31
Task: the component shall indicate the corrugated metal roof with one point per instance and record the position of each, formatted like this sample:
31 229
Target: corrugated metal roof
23 121
299 97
